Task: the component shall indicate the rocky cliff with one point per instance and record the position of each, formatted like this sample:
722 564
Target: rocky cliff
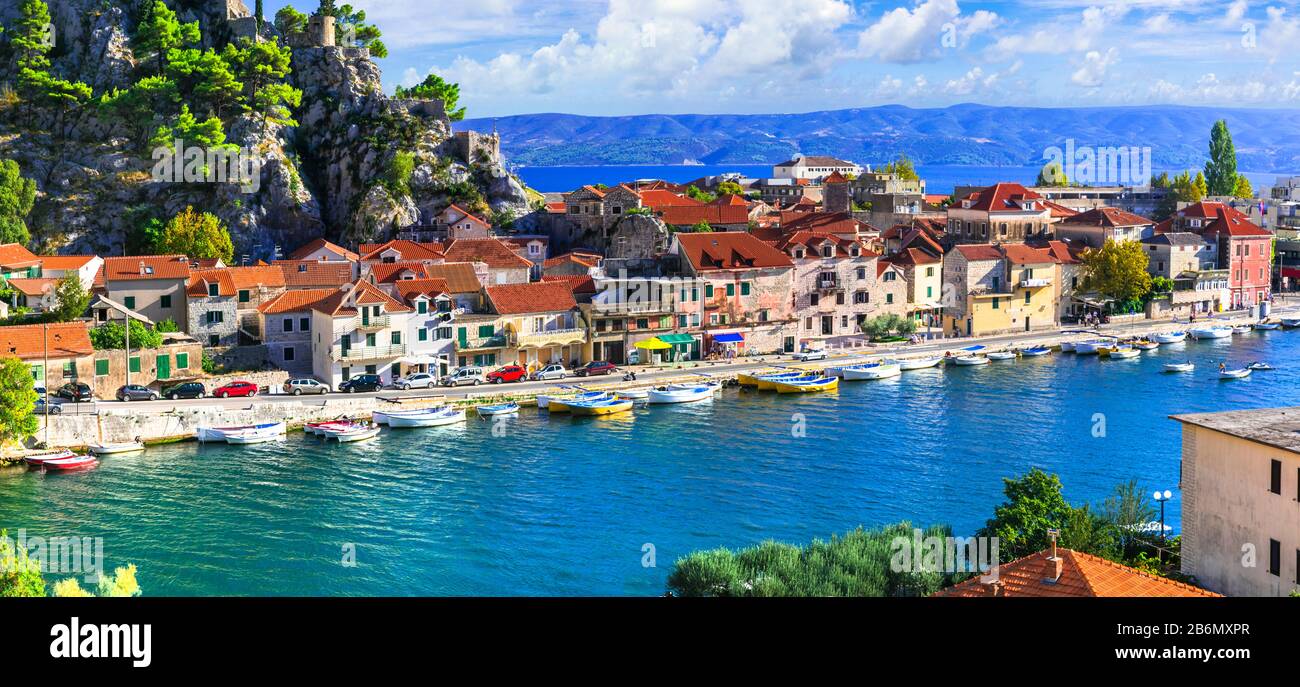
332 175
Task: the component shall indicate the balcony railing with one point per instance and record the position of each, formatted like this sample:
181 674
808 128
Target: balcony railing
340 354
550 337
827 284
1034 282
371 323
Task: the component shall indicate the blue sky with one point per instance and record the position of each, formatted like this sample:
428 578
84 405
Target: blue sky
617 57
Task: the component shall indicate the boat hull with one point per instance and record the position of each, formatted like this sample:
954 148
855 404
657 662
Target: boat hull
69 464
597 408
970 361
670 395
807 387
884 371
919 364
1211 333
426 420
117 449
220 434
353 436
1035 352
490 411
1227 375
1170 338
1183 367
769 383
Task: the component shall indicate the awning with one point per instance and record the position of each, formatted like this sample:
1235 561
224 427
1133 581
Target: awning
730 337
419 360
652 344
677 338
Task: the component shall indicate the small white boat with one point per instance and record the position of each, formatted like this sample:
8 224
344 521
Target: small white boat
970 360
1002 355
1180 367
1291 323
260 435
881 370
681 394
1214 332
919 363
1259 367
360 433
1267 326
544 401
1145 345
1169 337
634 394
112 449
438 418
386 417
53 455
1124 352
1092 347
1234 374
511 408
217 434
1067 346
1242 329
1037 351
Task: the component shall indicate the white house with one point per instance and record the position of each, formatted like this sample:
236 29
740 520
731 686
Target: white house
431 343
813 167
359 330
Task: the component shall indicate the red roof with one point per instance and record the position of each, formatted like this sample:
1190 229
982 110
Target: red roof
1108 217
298 300
1226 220
147 267
914 256
391 272
496 253
200 280
33 287
406 250
577 283
460 276
979 251
684 215
835 178
65 262
534 297
581 258
413 288
729 250
814 241
313 273
257 276
317 244
28 341
1082 576
1000 198
658 199
17 255
1021 254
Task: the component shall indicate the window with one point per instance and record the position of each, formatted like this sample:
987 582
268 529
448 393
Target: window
1275 474
370 343
134 364
347 373
213 340
304 324
995 303
129 302
929 271
861 297
1275 558
69 369
929 292
744 288
642 323
422 334
889 298
808 323
862 273
397 338
997 281
731 290
245 296
681 320
288 324
813 299
891 276
101 368
289 354
485 331
38 373
839 298
164 301
215 317
182 361
1026 296
214 290
443 333
708 290
422 307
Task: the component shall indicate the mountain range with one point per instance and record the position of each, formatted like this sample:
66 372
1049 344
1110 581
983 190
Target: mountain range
967 134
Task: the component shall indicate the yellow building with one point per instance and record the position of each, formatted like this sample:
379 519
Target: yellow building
997 289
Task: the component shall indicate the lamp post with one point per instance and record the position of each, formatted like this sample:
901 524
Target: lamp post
1161 497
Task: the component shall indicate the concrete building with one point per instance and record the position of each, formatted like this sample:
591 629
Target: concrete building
1169 255
747 304
814 167
624 311
1239 246
1240 484
360 329
152 285
1095 227
999 288
541 322
1002 212
430 327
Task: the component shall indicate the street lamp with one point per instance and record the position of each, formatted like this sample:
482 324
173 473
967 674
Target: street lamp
1161 497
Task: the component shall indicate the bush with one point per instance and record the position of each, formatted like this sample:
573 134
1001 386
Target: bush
111 336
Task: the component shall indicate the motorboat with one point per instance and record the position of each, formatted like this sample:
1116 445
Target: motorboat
1169 337
919 363
511 408
1002 355
1267 326
1092 347
69 464
257 435
359 433
970 360
545 402
604 406
880 370
1234 374
1259 367
1211 332
218 434
435 417
768 383
1180 367
112 449
805 385
640 394
1124 352
1037 351
322 427
1067 346
385 417
680 394
755 379
1290 323
39 458
1242 329
1145 345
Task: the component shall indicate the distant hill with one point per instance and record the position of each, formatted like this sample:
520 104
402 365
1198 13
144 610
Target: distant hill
1266 140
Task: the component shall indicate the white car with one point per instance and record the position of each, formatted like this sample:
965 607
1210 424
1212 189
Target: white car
805 356
298 387
551 372
419 380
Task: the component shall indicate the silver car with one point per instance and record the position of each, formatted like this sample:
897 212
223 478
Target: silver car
465 375
551 372
298 387
419 380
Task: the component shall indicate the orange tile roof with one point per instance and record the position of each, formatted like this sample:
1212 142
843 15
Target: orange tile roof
690 215
146 267
726 250
914 256
365 294
460 276
406 250
813 241
584 259
533 297
1021 254
33 287
833 222
257 275
577 283
312 273
412 288
1000 197
657 199
200 279
1108 217
298 300
65 262
979 251
317 244
1082 575
496 253
389 272
65 339
17 255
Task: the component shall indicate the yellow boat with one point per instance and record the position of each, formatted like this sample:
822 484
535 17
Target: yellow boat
604 407
768 382
806 385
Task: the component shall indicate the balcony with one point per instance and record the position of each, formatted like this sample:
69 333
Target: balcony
824 284
548 338
1034 282
371 323
355 353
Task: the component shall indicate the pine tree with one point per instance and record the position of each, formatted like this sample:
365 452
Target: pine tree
1221 168
198 235
17 196
160 32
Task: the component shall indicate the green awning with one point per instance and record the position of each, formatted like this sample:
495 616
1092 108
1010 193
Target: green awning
677 338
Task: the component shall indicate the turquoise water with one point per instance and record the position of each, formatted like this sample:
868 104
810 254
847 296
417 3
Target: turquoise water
565 505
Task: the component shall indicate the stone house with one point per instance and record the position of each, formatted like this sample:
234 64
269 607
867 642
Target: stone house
286 324
747 287
152 285
180 358
1171 254
320 250
1002 212
463 224
1239 246
463 284
57 353
834 281
212 308
501 265
254 286
1098 225
999 288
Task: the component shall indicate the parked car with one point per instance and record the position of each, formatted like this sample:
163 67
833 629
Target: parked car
75 391
419 380
509 373
298 387
43 408
465 375
818 354
136 392
596 367
361 383
551 372
186 390
235 389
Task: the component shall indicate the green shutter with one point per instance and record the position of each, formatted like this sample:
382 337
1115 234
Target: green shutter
165 301
424 334
135 364
731 290
486 331
182 361
744 288
129 302
245 296
422 307
38 373
101 367
462 337
708 290
397 338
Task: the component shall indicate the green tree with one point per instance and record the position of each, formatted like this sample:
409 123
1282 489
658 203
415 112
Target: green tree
144 235
1052 175
122 583
1128 509
20 576
694 192
902 167
1221 168
73 298
1200 187
159 32
32 42
17 401
1034 505
199 235
1117 271
702 227
1242 189
17 196
397 178
262 67
435 88
289 21
349 20
730 188
111 336
144 100
204 79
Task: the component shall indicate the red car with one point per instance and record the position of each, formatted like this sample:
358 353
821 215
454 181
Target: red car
509 373
598 367
235 389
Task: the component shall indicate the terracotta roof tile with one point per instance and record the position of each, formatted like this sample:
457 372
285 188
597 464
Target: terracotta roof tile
66 340
297 300
577 283
1108 217
494 252
390 272
17 255
33 287
312 273
460 276
317 244
146 267
690 215
257 275
1082 576
725 250
534 297
65 262
406 250
999 198
201 280
411 288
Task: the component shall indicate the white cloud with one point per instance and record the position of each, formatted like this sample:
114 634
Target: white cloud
905 35
1235 12
1051 39
1093 71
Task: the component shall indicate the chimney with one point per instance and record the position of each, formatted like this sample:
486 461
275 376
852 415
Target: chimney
1054 562
999 588
142 272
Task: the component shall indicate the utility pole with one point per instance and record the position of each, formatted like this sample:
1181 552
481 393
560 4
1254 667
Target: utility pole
126 316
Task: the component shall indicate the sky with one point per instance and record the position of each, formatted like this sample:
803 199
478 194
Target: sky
624 57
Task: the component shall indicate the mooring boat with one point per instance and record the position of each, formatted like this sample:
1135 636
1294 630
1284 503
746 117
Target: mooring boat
323 427
1067 346
919 363
1092 347
1002 355
1291 323
640 394
1213 332
1180 367
805 385
357 433
555 402
1036 351
1242 329
681 394
970 360
604 406
1234 374
769 382
1145 345
217 434
880 370
258 435
1169 337
1267 326
1124 352
1259 367
54 455
113 449
511 408
69 464
433 417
